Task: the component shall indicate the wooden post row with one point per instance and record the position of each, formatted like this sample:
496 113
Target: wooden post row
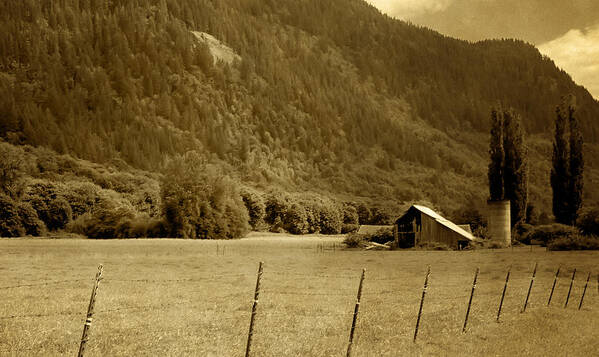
428 273
355 318
507 279
254 307
553 287
584 291
90 312
532 280
470 301
570 289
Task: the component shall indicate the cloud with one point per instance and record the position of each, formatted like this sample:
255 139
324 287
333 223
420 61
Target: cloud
577 52
406 9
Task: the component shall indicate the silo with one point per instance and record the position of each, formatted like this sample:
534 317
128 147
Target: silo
499 225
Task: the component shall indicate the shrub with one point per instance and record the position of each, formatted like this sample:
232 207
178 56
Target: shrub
51 207
353 240
350 215
296 221
574 243
254 203
588 222
59 214
82 196
275 208
381 236
200 202
30 221
112 218
10 222
349 228
331 219
522 232
547 233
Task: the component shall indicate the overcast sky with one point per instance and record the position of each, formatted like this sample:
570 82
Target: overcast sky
565 30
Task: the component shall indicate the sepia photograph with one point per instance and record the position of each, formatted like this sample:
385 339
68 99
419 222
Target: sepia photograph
252 178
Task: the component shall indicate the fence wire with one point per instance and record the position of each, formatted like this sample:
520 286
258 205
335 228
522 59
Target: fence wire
271 278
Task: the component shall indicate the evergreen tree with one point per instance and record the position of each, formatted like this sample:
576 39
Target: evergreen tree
495 172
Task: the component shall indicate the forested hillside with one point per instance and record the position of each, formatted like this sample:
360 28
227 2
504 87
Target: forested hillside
330 97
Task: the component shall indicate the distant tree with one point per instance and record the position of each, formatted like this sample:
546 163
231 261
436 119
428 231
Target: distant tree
515 168
11 169
495 173
576 166
200 202
508 169
568 165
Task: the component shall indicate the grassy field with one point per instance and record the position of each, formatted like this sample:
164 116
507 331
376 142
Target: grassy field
178 297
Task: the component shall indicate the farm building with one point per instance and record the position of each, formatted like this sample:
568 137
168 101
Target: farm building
423 225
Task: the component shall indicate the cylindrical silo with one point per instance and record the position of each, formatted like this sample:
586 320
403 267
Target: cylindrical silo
499 225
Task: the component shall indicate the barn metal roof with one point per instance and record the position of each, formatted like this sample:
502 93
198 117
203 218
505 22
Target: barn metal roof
445 222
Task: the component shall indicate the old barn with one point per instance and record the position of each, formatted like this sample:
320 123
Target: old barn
423 225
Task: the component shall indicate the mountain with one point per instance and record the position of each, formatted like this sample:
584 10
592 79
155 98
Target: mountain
330 97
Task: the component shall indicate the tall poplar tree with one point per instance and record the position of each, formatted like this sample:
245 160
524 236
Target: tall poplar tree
515 167
497 156
568 165
508 169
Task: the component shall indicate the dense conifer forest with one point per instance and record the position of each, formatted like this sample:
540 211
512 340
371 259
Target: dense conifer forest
328 111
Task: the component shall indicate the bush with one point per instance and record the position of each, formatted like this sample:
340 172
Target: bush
30 221
275 208
51 207
331 219
588 222
350 215
349 228
381 236
10 222
254 203
295 220
112 218
522 232
200 202
82 196
547 233
574 243
353 240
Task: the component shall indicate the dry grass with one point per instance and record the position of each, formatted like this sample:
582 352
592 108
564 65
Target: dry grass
177 297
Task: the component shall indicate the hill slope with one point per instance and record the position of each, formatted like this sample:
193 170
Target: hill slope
331 97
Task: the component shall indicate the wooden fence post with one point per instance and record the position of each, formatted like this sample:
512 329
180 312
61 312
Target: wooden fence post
428 273
254 306
356 310
470 301
507 279
553 287
584 291
90 312
532 280
570 289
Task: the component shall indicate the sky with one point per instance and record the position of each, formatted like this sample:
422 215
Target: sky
566 31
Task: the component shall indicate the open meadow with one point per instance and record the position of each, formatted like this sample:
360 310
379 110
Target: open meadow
193 297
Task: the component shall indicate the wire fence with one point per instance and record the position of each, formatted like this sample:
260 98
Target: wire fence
272 303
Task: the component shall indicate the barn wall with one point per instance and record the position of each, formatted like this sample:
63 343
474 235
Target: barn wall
433 232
